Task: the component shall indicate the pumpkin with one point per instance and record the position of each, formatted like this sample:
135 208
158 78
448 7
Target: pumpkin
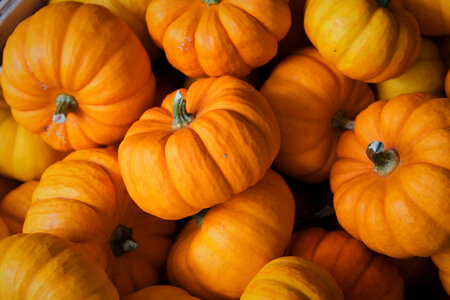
44 266
160 292
359 272
367 40
220 134
427 74
15 205
442 261
133 13
214 37
218 253
83 199
78 84
433 16
16 159
390 181
292 278
314 103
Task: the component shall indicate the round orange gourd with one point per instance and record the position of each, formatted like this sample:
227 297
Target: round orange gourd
367 40
160 292
359 272
43 266
83 199
390 181
314 103
133 13
220 135
16 159
292 278
217 255
433 16
218 37
78 84
442 261
427 74
15 205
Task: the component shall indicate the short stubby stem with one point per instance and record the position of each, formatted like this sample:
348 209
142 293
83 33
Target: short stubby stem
383 3
198 217
65 104
181 118
385 161
211 2
341 121
122 241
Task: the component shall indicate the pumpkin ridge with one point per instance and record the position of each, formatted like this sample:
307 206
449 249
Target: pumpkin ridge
363 270
273 282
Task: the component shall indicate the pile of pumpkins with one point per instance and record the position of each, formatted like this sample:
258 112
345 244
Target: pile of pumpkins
226 149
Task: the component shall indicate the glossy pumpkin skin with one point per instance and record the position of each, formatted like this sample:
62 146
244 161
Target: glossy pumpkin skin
16 159
218 258
359 272
95 58
379 209
433 16
230 37
83 199
43 266
427 74
364 40
230 144
442 261
306 92
14 206
133 13
292 278
160 292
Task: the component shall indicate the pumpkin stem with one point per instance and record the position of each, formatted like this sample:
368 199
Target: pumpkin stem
383 3
198 217
213 2
385 161
340 121
64 105
181 117
305 220
122 241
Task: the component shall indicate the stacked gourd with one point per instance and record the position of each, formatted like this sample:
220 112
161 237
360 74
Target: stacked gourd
178 200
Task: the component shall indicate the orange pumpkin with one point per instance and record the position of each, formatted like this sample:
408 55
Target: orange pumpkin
15 205
313 102
292 278
44 266
367 40
217 255
390 181
78 84
220 134
83 199
160 292
442 261
359 272
215 37
433 16
427 74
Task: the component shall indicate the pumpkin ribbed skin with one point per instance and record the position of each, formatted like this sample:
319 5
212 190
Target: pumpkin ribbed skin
364 40
228 38
427 74
83 198
43 266
360 273
306 92
228 147
15 205
433 16
379 209
236 238
161 292
442 261
95 58
292 278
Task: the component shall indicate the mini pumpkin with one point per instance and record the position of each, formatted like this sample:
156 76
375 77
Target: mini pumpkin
220 135
160 292
393 171
78 84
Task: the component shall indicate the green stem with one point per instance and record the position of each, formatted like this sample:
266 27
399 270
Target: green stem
211 2
385 161
64 105
122 241
383 3
181 117
340 121
198 217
